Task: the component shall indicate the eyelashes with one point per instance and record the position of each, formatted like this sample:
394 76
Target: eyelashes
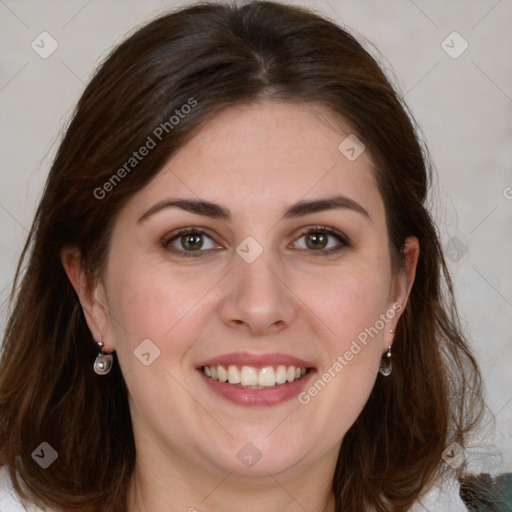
192 241
319 239
196 242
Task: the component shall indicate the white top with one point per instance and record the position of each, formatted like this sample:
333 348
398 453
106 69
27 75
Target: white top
440 500
9 500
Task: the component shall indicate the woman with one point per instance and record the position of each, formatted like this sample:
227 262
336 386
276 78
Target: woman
232 294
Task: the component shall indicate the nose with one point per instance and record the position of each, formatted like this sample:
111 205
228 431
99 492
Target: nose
257 298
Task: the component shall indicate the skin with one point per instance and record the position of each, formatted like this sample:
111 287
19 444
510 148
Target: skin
256 160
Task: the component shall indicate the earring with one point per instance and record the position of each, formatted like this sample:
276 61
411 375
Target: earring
103 362
386 366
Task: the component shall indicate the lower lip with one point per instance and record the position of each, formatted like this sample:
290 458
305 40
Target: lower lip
258 397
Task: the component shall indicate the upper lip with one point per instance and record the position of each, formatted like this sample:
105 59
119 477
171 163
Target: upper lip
256 360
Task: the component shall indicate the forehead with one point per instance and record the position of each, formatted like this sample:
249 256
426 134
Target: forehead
263 156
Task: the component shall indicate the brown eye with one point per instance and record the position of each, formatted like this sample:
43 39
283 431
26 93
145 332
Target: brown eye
317 241
192 242
321 240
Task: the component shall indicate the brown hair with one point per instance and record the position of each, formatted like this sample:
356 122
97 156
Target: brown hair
219 55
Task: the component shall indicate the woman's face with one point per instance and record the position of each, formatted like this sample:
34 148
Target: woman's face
259 251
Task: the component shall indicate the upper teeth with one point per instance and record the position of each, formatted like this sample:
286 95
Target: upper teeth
267 376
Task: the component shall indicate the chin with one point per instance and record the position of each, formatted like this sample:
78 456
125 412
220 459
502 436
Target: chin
260 456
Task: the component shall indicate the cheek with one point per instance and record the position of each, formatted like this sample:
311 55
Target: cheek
169 310
349 302
163 306
350 306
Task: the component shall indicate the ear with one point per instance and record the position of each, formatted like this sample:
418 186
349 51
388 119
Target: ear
91 293
404 280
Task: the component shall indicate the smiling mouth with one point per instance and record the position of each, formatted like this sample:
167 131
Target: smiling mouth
250 377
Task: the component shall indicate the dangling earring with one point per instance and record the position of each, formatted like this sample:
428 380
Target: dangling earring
103 362
386 366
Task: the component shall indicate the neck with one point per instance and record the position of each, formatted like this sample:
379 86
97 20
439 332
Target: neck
163 483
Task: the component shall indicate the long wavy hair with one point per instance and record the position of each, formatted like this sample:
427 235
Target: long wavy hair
223 55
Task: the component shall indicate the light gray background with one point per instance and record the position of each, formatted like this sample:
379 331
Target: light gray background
463 105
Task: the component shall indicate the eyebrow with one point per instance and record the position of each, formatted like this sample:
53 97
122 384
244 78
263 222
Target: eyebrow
216 211
338 202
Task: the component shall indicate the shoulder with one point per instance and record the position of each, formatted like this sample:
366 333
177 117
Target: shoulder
443 496
9 500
